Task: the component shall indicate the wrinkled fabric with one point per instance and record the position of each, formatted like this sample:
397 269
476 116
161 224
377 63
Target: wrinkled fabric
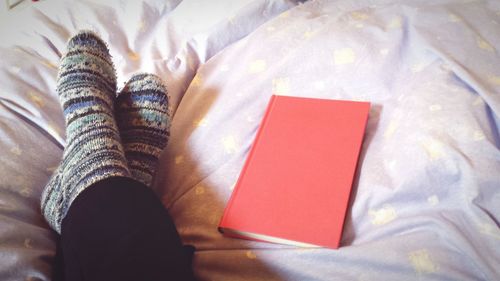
425 203
425 200
168 38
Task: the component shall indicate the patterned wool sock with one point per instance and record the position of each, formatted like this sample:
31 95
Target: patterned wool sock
143 118
86 86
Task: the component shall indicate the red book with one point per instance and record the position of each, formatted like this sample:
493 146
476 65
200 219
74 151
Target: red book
294 187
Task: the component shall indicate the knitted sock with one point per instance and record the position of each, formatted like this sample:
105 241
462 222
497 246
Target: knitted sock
143 119
86 86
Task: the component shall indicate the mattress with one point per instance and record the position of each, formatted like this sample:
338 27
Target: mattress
425 202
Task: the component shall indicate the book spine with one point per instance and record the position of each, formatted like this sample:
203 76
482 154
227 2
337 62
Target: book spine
247 162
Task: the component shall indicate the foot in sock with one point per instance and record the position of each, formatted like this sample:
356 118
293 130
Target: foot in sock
86 86
143 120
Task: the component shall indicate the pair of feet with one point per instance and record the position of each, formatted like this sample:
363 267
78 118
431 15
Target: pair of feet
107 135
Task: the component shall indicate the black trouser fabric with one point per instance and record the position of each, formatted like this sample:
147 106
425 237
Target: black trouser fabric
117 229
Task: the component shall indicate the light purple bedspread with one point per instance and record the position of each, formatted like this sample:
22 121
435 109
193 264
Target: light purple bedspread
426 201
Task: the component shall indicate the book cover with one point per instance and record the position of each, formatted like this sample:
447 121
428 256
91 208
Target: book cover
294 187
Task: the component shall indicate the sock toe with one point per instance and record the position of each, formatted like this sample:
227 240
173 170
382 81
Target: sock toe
145 81
87 63
87 39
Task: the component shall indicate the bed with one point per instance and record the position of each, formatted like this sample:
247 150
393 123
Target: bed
425 203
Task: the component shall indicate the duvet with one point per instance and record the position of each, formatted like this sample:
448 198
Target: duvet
425 202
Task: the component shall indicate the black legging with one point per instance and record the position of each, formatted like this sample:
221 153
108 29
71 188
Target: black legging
117 229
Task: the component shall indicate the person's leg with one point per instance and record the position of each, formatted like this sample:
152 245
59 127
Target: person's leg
144 121
117 229
112 227
86 85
